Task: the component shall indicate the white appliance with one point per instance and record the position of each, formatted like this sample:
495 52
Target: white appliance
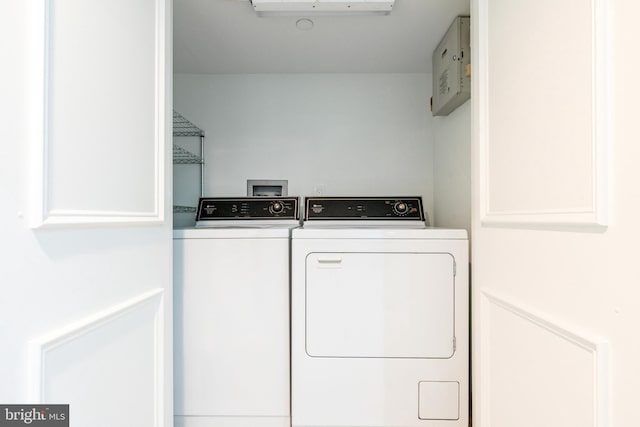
231 318
379 316
322 7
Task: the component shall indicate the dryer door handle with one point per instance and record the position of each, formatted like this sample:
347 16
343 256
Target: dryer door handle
330 261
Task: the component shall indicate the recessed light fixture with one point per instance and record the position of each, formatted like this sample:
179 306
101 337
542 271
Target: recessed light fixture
304 24
322 7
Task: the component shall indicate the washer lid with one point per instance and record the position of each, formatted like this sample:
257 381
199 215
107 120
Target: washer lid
240 233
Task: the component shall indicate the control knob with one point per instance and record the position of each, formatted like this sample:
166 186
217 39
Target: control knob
276 208
400 208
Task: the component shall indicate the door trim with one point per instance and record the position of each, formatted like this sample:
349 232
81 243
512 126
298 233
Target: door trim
595 215
597 349
41 348
42 214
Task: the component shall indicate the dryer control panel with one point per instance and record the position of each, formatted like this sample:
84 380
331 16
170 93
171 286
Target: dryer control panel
259 208
364 208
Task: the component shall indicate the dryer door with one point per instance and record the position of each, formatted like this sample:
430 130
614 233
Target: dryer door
382 305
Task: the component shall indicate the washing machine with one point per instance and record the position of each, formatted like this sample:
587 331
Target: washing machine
379 316
231 317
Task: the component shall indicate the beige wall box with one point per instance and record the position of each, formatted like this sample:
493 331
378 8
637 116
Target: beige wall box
451 84
267 187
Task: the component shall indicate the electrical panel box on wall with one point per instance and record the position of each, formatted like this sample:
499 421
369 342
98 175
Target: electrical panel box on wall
451 77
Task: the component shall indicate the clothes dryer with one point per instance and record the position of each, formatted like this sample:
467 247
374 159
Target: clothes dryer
379 316
231 317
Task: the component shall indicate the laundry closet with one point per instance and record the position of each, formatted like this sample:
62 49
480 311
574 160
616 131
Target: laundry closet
340 109
329 115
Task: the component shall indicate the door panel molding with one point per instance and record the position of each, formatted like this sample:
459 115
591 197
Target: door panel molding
104 347
585 360
73 180
498 206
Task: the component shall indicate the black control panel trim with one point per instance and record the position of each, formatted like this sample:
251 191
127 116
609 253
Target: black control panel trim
247 208
364 208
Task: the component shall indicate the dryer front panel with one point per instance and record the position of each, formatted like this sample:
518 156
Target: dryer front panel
379 305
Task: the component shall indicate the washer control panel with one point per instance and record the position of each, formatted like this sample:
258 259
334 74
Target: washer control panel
223 208
364 208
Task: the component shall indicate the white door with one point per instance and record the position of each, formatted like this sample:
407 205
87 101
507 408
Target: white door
556 301
85 247
389 305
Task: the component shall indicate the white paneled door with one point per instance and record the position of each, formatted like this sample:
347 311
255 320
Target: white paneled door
555 213
85 270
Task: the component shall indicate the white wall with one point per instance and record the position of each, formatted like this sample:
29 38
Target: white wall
328 134
452 169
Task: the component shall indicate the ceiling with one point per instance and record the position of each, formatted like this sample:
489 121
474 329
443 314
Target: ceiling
227 37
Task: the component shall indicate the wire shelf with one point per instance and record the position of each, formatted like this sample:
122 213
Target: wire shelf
184 157
183 127
183 209
181 156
